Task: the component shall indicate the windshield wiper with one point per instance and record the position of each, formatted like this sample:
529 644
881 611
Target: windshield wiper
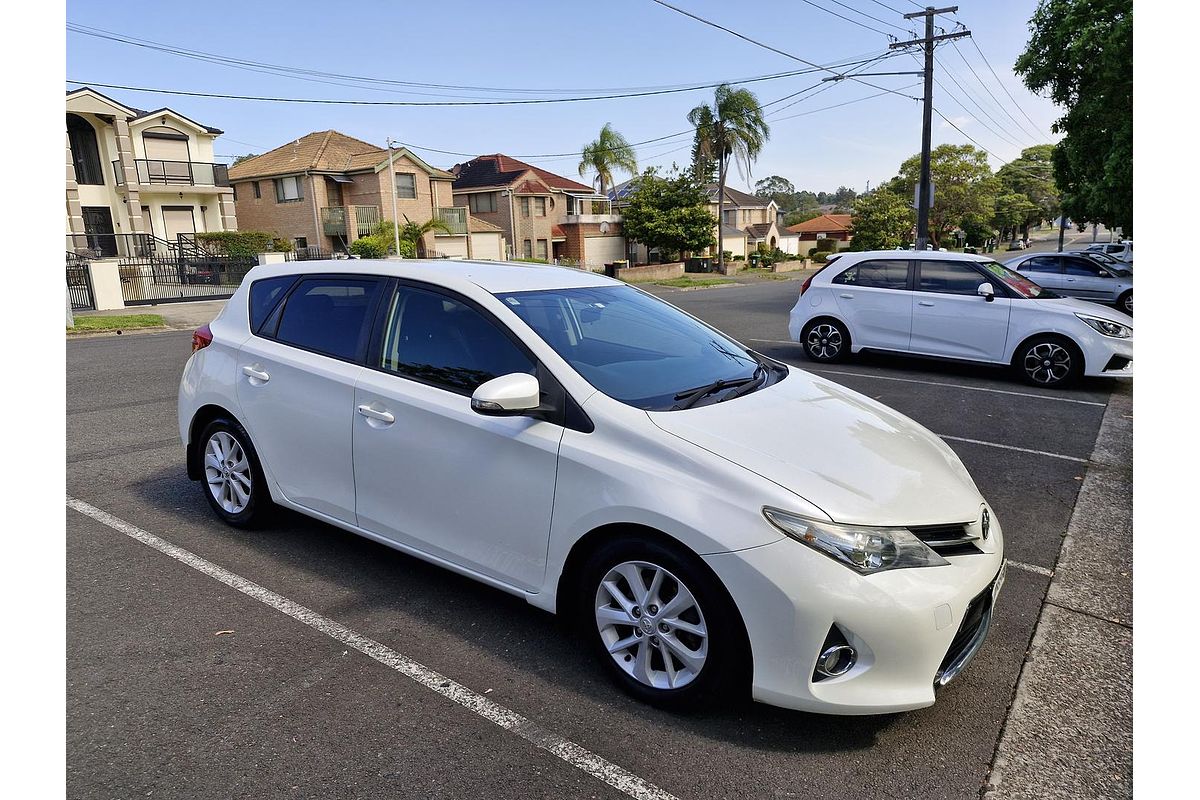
760 377
692 396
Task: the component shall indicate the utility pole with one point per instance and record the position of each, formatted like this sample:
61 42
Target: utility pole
925 186
395 215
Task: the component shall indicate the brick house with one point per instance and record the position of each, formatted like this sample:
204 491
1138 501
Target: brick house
131 171
826 226
327 189
544 216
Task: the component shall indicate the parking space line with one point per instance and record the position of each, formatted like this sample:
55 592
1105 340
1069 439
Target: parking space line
1049 573
570 752
1014 447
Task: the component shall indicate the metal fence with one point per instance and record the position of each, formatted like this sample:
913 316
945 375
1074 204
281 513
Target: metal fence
182 278
312 253
79 283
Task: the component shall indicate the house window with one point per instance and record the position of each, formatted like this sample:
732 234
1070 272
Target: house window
257 191
85 153
540 205
543 251
525 206
301 242
482 203
406 185
288 190
528 248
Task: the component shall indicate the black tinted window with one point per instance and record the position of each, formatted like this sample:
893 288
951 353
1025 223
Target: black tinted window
328 315
949 277
892 274
1040 264
435 338
264 296
1084 267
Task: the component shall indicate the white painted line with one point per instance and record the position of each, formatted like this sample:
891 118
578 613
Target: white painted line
1049 573
570 752
1012 447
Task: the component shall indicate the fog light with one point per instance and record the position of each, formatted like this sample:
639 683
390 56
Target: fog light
836 661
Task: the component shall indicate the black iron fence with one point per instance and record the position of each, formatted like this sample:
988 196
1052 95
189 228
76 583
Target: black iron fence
312 254
79 284
151 171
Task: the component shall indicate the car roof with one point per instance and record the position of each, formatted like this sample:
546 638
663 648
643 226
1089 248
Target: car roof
925 255
491 276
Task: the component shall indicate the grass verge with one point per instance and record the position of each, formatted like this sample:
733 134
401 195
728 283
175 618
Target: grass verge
687 283
124 322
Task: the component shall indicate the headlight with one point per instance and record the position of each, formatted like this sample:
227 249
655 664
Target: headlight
864 549
1114 329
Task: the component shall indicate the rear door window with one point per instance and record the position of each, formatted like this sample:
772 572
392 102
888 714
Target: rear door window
881 274
1084 268
330 315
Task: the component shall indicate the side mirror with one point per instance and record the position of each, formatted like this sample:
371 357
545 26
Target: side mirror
507 396
986 291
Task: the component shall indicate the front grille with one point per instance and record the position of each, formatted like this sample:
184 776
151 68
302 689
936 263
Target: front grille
1116 363
970 636
948 540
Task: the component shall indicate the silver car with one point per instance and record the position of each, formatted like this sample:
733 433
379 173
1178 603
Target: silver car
1077 275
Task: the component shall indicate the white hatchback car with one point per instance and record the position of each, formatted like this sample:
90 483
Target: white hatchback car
962 307
710 518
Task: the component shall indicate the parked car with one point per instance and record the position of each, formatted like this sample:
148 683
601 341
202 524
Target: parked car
1017 244
710 519
1122 268
1077 275
958 306
1123 250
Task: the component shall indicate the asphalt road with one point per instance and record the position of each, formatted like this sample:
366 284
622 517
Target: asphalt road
181 686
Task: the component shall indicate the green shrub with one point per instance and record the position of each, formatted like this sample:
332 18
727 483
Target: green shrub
243 243
827 244
368 247
820 256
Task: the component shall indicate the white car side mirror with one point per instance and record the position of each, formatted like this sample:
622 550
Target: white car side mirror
986 291
507 396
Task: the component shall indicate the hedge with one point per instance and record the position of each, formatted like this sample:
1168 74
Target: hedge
244 243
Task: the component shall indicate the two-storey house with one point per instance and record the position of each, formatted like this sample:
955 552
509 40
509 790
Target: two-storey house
750 220
545 217
326 189
131 171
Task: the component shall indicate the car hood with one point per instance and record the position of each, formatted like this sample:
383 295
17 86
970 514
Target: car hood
1069 305
857 460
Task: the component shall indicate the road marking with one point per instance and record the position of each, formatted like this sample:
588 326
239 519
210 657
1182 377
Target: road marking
1049 573
938 383
570 752
1013 447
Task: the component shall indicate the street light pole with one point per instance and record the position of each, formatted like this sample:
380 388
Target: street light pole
395 214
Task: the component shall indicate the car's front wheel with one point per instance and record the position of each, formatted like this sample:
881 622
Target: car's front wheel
1125 302
662 625
231 475
825 340
1049 361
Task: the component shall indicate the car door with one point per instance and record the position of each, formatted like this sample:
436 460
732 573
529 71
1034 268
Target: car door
296 379
430 472
951 318
874 298
1086 279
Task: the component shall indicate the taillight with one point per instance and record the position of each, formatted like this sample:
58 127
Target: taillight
807 282
201 338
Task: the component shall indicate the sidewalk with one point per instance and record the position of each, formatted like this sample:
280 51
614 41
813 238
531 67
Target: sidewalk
1069 732
177 316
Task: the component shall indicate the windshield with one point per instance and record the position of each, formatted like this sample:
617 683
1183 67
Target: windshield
1111 264
1016 281
636 348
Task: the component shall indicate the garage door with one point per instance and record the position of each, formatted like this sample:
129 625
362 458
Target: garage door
601 250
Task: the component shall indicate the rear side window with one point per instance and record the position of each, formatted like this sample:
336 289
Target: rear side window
885 274
950 277
329 315
264 296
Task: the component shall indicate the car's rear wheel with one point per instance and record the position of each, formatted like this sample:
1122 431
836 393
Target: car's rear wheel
660 622
1049 361
231 475
1125 302
825 340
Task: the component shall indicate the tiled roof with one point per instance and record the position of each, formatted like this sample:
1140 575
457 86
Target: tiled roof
557 232
731 232
139 113
735 197
531 187
826 223
498 169
323 151
759 230
477 225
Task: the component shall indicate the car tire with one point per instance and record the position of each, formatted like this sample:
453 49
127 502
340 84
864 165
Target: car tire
231 475
675 641
1050 361
825 340
1125 302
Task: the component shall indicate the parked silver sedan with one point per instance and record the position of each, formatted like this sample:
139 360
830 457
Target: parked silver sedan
1077 275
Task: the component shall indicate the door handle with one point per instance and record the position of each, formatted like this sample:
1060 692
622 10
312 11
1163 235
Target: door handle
846 296
385 417
255 373
924 303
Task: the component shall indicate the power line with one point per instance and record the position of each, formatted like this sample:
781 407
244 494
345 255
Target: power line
998 134
839 105
989 152
889 8
868 16
989 93
1002 86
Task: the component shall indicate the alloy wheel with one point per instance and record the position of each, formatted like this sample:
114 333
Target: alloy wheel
824 341
1127 304
1048 363
651 625
227 472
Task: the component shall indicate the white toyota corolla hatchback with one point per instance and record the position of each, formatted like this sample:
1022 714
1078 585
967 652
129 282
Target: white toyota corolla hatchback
962 307
711 519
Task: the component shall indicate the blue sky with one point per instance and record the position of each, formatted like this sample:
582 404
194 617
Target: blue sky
557 45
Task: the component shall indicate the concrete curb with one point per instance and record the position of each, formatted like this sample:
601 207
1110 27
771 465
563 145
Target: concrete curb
1069 731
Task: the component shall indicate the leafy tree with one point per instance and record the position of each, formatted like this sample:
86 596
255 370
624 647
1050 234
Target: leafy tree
731 128
240 159
964 187
413 233
796 217
774 185
1032 175
1012 212
1081 53
669 213
881 220
609 151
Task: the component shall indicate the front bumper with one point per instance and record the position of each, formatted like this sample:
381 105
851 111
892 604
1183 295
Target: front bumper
913 628
1106 357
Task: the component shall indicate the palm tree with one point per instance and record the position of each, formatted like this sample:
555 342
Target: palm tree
608 151
415 232
732 127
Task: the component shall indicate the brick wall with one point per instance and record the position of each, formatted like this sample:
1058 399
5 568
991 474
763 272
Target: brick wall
290 219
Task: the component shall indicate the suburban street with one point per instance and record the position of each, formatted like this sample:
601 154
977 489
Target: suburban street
181 683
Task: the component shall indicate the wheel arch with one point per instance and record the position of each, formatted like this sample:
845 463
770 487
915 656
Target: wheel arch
1076 350
203 416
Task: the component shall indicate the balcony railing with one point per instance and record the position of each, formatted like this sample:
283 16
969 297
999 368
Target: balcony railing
334 220
366 217
152 172
455 218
